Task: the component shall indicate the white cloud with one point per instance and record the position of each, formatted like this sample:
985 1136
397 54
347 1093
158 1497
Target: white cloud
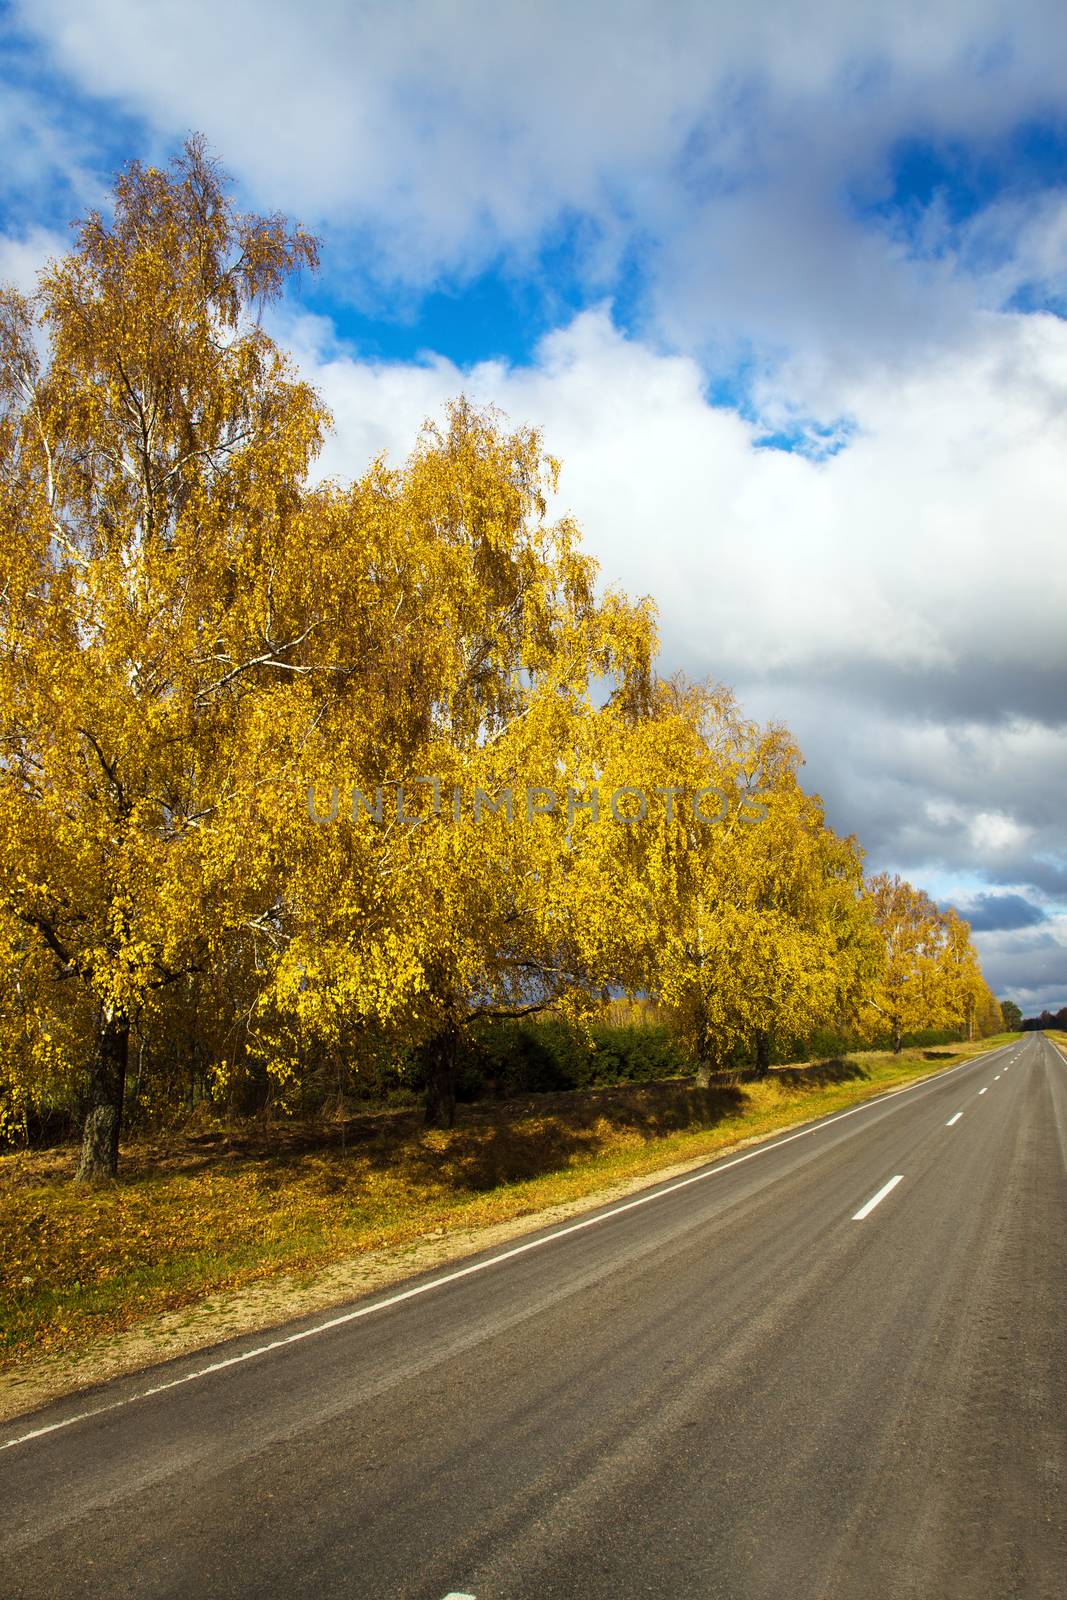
723 142
22 257
915 549
994 834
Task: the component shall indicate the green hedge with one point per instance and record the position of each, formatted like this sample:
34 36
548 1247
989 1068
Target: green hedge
538 1057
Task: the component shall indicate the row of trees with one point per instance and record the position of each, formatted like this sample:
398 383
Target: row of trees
195 634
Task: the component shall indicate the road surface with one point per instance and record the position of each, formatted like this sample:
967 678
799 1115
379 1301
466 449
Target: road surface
833 1365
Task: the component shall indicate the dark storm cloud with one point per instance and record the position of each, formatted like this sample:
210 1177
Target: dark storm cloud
996 912
979 688
1027 965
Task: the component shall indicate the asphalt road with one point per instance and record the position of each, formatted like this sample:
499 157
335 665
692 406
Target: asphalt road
784 1377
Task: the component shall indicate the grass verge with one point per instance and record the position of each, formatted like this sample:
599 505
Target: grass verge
219 1211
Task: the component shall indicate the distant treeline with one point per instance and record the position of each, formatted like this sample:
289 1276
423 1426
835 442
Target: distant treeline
1047 1019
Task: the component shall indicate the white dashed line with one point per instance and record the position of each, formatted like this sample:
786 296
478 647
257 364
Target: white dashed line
983 1091
875 1199
956 1118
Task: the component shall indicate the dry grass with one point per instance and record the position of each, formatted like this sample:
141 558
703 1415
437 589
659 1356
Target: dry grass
224 1209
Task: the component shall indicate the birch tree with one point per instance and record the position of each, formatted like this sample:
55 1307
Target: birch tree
153 448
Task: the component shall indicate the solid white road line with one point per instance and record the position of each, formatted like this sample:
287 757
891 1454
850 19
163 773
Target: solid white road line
956 1118
875 1199
361 1311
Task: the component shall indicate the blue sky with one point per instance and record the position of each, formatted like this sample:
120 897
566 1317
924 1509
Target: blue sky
785 288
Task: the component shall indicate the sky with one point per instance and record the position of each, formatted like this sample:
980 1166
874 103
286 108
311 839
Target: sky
784 284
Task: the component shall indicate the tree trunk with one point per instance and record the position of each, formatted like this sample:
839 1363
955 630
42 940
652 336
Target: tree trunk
704 1050
897 1037
107 1088
440 1055
762 1053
